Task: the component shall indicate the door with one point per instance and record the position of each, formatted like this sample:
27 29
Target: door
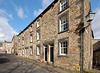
51 53
45 53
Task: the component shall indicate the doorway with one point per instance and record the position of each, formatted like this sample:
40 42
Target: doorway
45 53
51 51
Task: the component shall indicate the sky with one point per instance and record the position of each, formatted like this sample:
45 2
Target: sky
15 15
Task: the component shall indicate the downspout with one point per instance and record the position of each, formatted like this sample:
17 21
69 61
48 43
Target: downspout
82 42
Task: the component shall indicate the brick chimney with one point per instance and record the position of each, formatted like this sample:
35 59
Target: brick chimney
20 31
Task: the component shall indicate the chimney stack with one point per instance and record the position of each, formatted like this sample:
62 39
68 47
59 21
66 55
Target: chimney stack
20 31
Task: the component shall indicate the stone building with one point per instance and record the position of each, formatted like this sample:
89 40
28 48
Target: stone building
57 36
14 42
1 47
7 46
96 53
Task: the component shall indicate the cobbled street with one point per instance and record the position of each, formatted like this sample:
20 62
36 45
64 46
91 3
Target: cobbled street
14 64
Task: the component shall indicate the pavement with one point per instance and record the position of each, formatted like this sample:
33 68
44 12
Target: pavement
15 64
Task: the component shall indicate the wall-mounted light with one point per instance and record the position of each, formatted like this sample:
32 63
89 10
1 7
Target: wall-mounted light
90 16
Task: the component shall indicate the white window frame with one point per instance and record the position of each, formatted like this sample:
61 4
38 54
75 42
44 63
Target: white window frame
23 42
38 35
38 50
31 29
63 25
23 51
31 39
31 50
23 35
62 3
38 23
63 47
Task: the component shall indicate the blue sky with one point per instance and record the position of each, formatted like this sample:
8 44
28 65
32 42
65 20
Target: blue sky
15 15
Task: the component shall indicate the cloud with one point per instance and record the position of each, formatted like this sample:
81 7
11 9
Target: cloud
20 12
5 14
36 13
96 24
6 31
45 3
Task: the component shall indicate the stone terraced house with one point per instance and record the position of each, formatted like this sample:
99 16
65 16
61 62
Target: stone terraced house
57 35
7 46
14 45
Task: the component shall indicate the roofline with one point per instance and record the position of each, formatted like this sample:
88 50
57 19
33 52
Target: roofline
39 15
8 42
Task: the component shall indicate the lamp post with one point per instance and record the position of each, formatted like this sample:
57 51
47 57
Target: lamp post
89 18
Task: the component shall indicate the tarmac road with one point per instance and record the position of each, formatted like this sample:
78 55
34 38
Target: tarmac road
12 64
15 64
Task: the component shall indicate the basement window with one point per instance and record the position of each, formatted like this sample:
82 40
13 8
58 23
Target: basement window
63 48
63 4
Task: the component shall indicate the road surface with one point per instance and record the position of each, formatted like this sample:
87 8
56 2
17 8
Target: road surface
13 64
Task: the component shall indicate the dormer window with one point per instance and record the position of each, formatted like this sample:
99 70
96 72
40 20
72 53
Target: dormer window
63 4
38 23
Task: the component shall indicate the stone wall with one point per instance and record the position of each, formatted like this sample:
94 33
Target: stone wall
88 49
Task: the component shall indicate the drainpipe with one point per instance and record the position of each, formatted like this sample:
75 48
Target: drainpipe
81 51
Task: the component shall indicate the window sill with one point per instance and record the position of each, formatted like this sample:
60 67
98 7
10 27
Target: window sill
62 56
38 40
63 10
63 31
38 27
38 55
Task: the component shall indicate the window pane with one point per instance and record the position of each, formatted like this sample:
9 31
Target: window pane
64 23
38 50
38 35
64 4
31 50
63 48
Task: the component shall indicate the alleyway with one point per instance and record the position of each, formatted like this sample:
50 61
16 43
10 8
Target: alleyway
14 64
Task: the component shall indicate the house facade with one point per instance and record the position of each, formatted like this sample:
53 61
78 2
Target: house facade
14 49
7 46
57 36
1 47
